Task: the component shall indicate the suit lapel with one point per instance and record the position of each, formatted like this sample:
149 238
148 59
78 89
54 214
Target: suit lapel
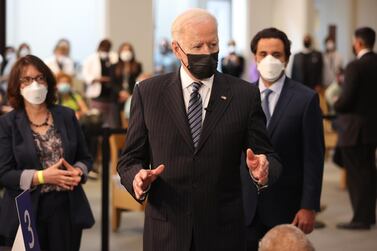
60 128
218 102
27 136
173 100
284 99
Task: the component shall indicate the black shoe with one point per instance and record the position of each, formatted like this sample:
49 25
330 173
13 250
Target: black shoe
353 226
319 224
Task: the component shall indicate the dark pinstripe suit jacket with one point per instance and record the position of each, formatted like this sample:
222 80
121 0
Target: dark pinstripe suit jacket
197 199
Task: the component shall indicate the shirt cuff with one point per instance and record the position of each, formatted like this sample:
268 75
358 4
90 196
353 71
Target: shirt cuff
27 178
255 181
84 170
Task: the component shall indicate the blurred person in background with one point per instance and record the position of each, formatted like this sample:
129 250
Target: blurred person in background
234 63
23 50
307 66
60 61
357 119
99 88
10 57
164 59
43 150
68 97
332 62
125 71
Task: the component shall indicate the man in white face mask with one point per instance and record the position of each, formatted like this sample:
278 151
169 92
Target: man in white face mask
294 124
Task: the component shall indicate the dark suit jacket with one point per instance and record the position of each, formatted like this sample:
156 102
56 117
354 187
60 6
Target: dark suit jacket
357 104
307 68
296 133
18 152
198 196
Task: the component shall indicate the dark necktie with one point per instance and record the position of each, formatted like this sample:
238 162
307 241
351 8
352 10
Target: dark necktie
265 105
195 113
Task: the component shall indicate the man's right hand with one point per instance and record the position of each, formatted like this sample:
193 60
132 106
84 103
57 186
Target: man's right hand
144 178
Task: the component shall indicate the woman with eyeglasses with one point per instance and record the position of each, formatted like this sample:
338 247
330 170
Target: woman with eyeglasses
42 149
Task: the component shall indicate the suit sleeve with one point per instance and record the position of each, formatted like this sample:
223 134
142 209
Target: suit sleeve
313 158
9 175
135 154
83 159
349 90
258 140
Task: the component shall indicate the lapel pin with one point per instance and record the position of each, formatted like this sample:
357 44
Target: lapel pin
223 97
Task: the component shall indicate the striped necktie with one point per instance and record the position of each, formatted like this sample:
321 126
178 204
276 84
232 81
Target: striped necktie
266 105
195 113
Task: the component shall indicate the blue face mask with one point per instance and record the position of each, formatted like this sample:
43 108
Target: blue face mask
64 88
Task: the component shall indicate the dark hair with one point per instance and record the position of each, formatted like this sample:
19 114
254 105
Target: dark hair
367 35
14 94
104 45
271 33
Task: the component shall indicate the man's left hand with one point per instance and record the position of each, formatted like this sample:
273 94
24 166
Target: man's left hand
258 166
305 219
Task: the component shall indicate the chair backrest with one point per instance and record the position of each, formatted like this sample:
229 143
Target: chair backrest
116 144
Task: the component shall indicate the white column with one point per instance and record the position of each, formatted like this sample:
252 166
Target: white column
132 21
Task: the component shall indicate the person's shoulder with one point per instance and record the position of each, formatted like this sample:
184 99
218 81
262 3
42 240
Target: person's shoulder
300 89
238 86
8 117
157 81
62 110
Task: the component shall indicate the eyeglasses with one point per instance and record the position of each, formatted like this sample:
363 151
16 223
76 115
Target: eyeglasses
28 80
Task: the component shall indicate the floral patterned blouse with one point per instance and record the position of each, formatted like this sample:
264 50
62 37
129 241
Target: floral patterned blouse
49 150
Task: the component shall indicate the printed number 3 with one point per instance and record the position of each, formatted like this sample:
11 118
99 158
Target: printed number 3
27 220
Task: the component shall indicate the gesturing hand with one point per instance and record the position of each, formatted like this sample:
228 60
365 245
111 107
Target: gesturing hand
144 178
305 220
76 172
62 178
258 166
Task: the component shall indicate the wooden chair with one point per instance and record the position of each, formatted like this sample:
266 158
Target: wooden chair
121 199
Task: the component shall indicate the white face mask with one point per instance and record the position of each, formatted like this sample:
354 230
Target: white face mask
34 93
270 68
103 54
24 52
126 56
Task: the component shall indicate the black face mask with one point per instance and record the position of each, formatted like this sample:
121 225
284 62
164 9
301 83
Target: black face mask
202 66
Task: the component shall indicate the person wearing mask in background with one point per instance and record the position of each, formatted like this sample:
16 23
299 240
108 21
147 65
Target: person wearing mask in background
332 62
307 66
68 97
60 61
357 139
186 133
10 57
294 125
96 74
43 149
164 59
125 72
23 50
233 63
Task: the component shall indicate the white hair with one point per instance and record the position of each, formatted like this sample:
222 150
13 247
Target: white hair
285 237
191 16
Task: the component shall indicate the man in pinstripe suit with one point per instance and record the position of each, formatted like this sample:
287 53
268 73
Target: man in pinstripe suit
186 134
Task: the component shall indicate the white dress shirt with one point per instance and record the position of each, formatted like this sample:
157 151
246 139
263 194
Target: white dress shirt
362 53
204 91
275 94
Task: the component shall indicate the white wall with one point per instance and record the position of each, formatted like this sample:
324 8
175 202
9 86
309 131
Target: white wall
341 14
132 21
41 23
366 14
